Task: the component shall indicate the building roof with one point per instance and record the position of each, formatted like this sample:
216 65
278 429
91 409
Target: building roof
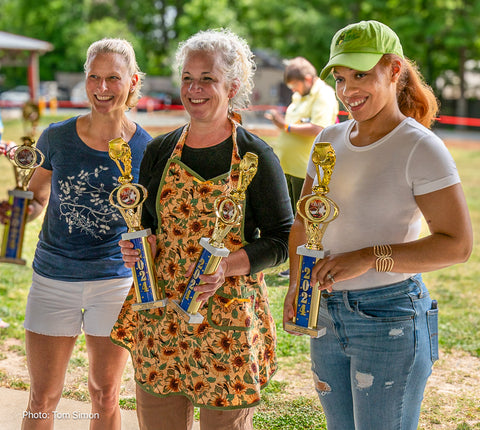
13 42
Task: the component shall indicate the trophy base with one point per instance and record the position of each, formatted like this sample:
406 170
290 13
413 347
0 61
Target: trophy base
13 261
137 234
187 316
149 305
298 329
315 253
217 252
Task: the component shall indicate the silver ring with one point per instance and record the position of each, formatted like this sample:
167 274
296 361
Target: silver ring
330 277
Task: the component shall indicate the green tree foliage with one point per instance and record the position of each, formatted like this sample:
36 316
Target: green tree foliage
155 24
437 34
95 30
56 21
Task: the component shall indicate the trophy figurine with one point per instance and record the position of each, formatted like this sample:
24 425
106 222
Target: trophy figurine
128 198
317 211
25 159
228 211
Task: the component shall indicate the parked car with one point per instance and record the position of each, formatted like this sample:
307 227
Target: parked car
78 95
158 101
17 96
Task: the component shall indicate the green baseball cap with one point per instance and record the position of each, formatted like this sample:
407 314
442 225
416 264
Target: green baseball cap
360 46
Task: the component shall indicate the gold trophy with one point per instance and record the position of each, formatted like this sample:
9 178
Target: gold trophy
228 210
318 211
25 159
128 198
31 115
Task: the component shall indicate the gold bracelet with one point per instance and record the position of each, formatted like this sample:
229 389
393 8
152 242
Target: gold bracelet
384 261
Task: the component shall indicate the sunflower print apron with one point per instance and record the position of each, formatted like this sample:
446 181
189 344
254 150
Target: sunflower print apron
224 361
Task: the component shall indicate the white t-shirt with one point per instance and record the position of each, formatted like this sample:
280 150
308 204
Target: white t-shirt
375 188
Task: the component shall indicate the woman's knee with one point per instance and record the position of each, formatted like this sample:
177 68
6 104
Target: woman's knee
43 399
104 398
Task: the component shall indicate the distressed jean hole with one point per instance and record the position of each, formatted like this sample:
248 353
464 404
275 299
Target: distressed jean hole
321 386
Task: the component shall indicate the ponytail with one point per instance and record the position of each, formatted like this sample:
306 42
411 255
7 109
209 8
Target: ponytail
415 98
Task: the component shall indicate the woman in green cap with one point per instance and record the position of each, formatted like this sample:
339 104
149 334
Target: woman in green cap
372 365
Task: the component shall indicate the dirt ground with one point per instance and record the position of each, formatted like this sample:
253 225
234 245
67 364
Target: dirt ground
454 383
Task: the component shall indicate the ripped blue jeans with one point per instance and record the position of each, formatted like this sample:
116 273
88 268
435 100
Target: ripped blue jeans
371 367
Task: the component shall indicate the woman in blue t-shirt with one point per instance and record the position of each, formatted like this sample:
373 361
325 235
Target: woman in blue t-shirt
79 281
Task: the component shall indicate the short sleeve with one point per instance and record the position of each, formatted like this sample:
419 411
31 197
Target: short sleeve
44 147
430 166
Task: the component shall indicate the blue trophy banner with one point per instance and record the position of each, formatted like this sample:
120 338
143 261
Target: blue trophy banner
207 263
195 279
304 300
15 228
142 274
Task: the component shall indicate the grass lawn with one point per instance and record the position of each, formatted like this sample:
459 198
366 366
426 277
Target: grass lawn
289 402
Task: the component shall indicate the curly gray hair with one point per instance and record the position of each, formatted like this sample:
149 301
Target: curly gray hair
237 59
125 49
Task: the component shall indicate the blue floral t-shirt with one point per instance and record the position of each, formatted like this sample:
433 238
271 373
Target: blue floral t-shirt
81 229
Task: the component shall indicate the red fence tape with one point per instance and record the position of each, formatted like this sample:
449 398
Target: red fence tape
448 119
442 119
458 120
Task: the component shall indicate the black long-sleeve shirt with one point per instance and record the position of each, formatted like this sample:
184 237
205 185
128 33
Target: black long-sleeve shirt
268 214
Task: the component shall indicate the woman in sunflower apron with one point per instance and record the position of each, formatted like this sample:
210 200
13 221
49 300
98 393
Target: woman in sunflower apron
221 364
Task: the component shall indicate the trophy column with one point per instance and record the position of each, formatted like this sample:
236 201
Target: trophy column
128 198
207 264
228 211
14 230
317 210
25 159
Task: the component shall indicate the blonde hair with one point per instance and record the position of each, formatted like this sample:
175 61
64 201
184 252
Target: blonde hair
125 49
237 62
414 96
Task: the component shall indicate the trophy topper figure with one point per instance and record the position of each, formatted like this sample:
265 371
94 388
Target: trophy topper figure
31 115
228 211
25 159
317 211
128 198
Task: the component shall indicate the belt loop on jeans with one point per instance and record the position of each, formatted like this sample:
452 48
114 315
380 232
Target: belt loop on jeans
417 280
346 301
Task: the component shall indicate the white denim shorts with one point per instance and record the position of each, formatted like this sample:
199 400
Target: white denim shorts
62 308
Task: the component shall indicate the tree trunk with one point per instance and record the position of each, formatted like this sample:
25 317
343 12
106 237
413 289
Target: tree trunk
462 107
